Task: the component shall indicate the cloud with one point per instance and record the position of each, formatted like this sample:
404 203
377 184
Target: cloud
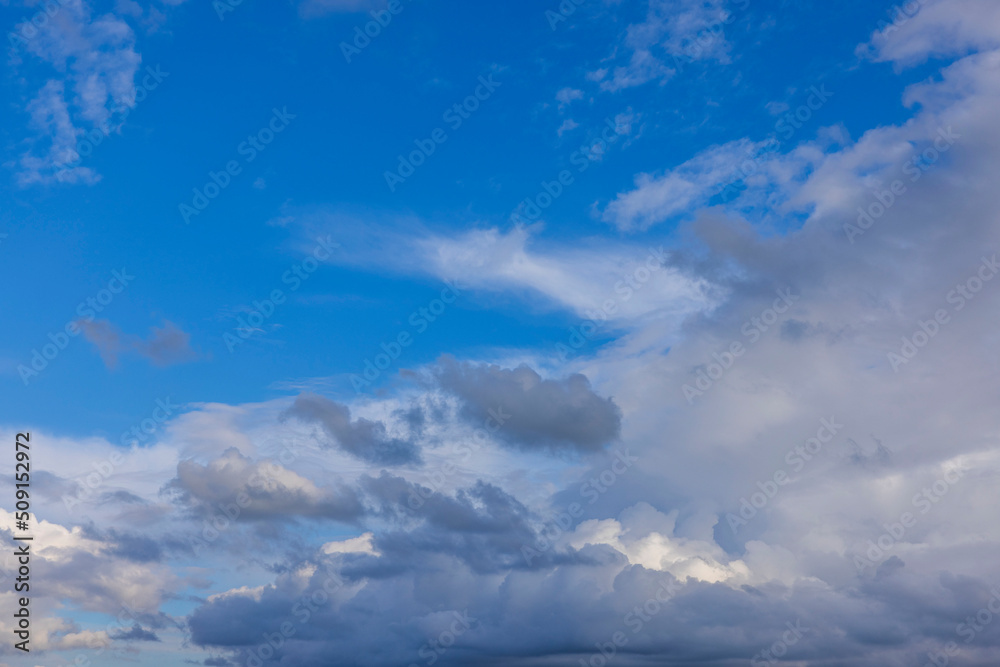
566 96
926 28
136 633
528 411
365 439
581 277
568 125
681 190
677 32
95 62
507 556
133 547
259 490
166 345
111 581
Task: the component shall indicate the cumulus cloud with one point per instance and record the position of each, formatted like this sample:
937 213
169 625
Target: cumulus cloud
259 490
366 439
528 411
805 488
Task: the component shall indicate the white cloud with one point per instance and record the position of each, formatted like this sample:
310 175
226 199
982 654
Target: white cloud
579 277
95 60
926 28
567 96
680 190
674 34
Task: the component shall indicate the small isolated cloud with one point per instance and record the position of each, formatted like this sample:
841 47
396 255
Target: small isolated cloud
362 438
776 108
535 413
165 346
567 95
568 125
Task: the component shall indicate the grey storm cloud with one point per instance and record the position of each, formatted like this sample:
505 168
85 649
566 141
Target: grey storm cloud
518 616
535 413
483 525
363 438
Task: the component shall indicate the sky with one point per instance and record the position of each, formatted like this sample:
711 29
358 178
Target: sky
541 334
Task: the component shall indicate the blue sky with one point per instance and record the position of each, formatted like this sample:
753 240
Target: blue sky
624 123
351 122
